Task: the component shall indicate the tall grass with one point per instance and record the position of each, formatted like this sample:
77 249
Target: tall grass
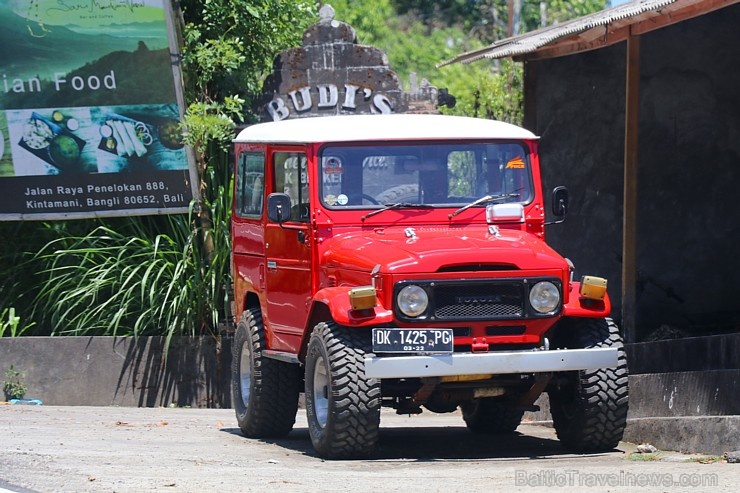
108 282
17 268
133 276
10 323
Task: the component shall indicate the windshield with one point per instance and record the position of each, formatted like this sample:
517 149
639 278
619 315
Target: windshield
442 175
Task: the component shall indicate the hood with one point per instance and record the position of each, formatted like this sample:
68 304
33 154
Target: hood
428 249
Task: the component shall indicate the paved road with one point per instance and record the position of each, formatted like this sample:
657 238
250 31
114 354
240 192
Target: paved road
50 449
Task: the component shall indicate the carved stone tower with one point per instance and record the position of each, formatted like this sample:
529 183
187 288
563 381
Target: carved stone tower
331 74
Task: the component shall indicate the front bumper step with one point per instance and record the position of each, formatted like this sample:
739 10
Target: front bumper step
496 363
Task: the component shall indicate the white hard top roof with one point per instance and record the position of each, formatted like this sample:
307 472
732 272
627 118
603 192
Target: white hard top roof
346 128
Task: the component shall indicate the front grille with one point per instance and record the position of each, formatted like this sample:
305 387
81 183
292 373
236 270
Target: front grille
478 301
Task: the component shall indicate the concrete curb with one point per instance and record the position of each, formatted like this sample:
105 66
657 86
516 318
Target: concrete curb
712 435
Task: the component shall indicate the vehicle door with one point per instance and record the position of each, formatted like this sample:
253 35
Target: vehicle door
288 253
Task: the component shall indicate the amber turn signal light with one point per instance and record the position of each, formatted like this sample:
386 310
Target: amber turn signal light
362 298
593 288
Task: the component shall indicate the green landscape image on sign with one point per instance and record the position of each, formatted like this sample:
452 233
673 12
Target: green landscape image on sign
87 88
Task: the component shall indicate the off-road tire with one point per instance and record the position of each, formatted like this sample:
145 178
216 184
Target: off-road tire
342 404
590 413
266 401
490 415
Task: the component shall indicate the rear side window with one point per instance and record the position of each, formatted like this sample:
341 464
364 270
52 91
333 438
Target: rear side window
250 180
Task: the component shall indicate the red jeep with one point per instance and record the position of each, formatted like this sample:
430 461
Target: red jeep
400 261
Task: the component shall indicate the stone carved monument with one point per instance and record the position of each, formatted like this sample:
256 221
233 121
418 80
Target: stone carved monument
331 74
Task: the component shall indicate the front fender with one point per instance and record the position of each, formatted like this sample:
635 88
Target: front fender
578 306
337 300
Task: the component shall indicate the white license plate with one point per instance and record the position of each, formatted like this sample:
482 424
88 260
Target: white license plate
412 340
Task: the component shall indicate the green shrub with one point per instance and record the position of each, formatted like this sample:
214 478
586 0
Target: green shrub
13 386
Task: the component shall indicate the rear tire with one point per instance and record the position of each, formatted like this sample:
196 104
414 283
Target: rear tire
590 413
265 391
342 404
490 416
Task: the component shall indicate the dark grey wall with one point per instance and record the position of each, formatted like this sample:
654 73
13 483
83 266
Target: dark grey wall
580 118
688 172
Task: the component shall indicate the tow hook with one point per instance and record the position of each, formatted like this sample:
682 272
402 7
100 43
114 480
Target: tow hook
480 345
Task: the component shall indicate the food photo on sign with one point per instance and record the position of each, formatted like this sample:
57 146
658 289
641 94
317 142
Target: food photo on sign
138 138
95 140
48 142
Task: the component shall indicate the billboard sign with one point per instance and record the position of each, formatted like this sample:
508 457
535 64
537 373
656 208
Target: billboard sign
90 107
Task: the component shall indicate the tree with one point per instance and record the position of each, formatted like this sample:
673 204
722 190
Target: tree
488 20
426 32
417 43
230 44
228 48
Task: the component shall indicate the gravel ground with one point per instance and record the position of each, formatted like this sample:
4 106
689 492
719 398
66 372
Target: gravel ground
79 449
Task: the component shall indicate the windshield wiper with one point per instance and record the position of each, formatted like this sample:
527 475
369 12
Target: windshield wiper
397 205
483 200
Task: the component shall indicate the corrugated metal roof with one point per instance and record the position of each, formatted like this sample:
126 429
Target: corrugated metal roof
624 14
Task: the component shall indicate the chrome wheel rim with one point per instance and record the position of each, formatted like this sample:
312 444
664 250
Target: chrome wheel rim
321 391
245 373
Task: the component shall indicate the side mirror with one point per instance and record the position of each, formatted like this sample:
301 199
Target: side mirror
559 204
560 201
278 207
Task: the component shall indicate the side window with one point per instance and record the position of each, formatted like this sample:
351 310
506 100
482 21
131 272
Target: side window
291 177
250 179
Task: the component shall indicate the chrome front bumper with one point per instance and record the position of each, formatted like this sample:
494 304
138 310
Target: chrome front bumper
494 363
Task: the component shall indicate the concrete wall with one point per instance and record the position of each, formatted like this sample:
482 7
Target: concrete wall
677 402
107 371
688 173
683 394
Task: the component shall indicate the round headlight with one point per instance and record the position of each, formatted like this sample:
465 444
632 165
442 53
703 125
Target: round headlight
544 297
412 300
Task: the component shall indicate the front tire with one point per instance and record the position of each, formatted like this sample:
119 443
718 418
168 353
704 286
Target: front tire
342 404
265 391
590 413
